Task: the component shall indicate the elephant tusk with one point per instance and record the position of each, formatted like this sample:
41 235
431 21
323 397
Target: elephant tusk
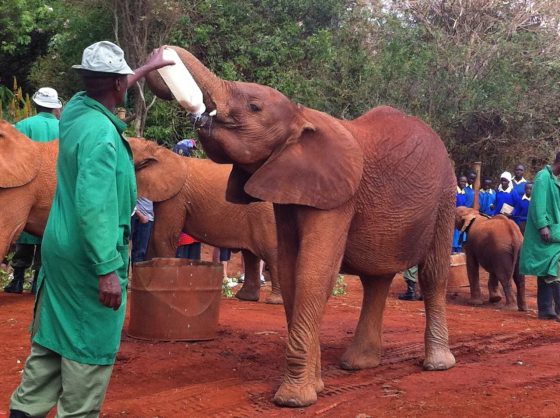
213 113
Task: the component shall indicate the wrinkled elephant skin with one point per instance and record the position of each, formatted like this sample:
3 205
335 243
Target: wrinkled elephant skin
358 195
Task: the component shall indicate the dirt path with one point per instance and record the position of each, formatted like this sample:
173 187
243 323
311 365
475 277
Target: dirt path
507 364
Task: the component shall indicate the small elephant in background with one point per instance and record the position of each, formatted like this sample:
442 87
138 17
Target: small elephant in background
189 195
493 243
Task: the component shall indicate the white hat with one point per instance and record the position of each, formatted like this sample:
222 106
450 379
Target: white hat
506 175
47 97
104 57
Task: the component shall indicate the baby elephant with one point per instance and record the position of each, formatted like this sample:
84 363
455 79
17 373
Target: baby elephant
494 244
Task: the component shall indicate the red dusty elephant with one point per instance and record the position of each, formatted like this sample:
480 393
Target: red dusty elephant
493 243
189 195
346 195
27 183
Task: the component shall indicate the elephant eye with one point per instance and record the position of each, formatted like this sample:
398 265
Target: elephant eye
254 107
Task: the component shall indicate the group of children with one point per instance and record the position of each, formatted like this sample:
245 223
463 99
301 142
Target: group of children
511 198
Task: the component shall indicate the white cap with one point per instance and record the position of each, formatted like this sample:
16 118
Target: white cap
104 57
506 175
47 97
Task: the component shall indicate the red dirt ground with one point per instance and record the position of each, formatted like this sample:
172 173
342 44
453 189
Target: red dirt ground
507 363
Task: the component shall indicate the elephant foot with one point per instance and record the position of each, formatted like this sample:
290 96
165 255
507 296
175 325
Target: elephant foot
495 299
319 385
522 307
354 359
295 396
274 299
475 301
440 359
248 294
511 306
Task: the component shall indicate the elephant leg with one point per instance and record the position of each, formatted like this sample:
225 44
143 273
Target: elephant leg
505 280
321 236
519 280
275 296
365 349
168 223
252 284
432 276
494 295
473 273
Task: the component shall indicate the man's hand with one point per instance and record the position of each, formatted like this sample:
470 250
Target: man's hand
141 217
545 234
110 292
155 59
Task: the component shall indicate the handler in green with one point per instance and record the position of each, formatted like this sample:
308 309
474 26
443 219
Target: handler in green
42 127
540 253
81 293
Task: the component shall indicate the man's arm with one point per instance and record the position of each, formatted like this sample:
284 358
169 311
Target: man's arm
538 212
155 61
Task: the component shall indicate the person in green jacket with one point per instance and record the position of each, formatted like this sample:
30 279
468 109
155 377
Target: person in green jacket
540 253
81 293
42 127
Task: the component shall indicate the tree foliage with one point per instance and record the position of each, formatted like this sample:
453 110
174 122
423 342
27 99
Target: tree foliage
483 73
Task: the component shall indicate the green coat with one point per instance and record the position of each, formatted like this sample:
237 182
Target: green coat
42 127
86 235
539 258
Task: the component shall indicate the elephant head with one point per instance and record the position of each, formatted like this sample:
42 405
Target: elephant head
282 152
160 174
464 217
18 157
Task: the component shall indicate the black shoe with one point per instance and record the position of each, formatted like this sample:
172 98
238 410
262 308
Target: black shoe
15 286
14 413
410 291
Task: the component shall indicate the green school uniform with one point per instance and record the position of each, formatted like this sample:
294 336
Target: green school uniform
86 235
537 257
42 127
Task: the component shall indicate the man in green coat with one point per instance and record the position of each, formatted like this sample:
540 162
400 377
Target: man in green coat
42 127
81 294
540 253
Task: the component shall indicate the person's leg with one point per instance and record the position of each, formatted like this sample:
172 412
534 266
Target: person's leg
225 255
140 239
83 389
194 250
36 268
410 276
23 258
544 299
40 384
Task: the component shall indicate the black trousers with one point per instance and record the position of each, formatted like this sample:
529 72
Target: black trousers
27 255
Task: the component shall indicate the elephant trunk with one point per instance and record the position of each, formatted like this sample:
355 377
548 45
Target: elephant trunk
212 87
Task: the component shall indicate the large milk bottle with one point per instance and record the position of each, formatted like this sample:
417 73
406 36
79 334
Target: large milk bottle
181 83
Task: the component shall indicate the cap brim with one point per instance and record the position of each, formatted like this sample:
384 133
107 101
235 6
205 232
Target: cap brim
123 71
48 105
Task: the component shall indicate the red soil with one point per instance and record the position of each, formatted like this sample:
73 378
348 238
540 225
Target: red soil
507 363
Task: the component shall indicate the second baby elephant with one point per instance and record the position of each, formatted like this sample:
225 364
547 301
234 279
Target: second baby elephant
189 195
493 243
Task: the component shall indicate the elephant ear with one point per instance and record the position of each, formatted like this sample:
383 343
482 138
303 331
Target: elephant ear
19 158
160 173
467 219
321 166
235 189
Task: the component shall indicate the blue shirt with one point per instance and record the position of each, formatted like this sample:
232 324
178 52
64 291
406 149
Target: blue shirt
511 198
520 212
487 198
461 198
469 199
519 187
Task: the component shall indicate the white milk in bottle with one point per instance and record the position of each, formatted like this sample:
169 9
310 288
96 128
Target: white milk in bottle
182 84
